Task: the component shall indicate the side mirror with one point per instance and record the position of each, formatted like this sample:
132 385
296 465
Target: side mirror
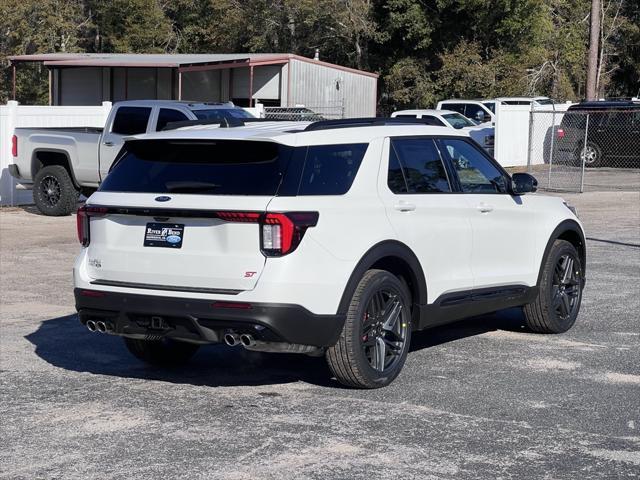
522 183
487 117
480 116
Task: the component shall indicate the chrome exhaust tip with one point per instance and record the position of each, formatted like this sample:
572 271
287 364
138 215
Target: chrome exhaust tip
247 340
91 325
101 327
232 339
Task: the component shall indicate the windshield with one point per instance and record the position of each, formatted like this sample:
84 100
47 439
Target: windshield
458 121
220 113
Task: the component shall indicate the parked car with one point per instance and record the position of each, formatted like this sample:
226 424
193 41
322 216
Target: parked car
601 133
329 238
483 134
475 110
61 163
299 114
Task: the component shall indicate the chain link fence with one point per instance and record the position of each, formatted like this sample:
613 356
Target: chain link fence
585 150
305 113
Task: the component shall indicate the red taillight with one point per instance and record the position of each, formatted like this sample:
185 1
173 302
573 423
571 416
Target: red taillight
82 222
14 146
560 133
280 233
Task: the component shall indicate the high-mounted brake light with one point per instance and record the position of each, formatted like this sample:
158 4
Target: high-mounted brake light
14 146
560 133
82 222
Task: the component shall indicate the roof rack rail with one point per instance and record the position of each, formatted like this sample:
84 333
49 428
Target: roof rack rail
368 122
223 122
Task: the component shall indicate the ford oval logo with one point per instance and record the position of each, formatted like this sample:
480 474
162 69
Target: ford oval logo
163 198
173 239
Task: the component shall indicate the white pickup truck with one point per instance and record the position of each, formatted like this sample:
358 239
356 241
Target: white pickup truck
61 163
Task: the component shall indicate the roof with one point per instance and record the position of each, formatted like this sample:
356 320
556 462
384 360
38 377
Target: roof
291 133
607 105
170 60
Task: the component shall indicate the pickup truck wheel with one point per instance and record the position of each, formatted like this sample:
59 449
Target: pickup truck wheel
374 342
556 308
54 192
163 353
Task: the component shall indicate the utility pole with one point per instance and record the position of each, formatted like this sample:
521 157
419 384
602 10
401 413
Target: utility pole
594 50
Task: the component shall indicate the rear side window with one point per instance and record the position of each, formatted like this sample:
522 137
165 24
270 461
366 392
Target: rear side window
331 169
228 167
416 162
220 113
454 107
131 120
168 115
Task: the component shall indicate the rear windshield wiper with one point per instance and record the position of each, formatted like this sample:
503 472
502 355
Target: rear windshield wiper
187 186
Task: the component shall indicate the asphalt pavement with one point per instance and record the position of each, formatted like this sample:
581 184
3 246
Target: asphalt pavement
479 399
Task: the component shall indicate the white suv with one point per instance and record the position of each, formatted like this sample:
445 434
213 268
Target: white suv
335 238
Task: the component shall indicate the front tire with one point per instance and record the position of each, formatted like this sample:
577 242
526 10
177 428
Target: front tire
54 192
164 353
374 342
556 308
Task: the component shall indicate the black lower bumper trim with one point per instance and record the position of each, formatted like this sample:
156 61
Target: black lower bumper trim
205 320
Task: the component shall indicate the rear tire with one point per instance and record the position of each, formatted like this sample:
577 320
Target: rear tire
54 192
556 308
165 353
591 154
374 342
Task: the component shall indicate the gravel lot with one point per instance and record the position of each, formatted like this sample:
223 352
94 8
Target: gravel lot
478 399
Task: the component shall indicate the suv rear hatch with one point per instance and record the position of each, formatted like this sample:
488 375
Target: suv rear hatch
191 216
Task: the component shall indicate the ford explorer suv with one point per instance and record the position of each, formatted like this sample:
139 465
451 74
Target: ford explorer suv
61 163
334 238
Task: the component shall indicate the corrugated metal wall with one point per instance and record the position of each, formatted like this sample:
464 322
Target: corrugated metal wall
323 87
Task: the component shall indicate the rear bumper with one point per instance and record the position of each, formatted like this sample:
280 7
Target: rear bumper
206 321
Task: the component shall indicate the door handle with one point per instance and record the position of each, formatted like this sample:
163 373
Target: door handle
108 144
405 207
485 208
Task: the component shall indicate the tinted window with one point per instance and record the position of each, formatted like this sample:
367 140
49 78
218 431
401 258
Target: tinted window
475 172
471 111
131 120
330 169
395 176
431 120
167 115
220 113
406 116
421 165
227 167
454 107
491 106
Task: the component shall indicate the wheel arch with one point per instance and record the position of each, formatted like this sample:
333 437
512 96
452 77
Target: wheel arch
570 231
394 257
45 157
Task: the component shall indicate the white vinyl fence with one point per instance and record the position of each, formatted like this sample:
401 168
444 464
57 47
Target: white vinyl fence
514 138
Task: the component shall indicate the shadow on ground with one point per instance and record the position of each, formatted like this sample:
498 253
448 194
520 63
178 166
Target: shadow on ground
63 342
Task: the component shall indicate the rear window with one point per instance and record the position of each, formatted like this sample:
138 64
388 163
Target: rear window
220 113
233 167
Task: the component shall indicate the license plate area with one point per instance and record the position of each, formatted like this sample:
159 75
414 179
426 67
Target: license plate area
165 235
